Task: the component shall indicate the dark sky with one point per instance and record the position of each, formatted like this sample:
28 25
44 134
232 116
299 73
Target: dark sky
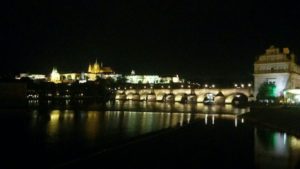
197 39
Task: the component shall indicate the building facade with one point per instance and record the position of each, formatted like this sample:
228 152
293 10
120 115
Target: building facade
278 67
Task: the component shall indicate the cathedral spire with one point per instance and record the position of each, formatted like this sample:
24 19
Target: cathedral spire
90 68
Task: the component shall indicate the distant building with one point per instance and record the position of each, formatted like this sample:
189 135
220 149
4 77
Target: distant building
55 76
278 67
96 68
32 76
151 79
96 71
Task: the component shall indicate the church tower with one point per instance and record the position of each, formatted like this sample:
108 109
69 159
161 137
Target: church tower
90 68
94 68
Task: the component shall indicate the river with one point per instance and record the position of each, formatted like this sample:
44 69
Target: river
43 138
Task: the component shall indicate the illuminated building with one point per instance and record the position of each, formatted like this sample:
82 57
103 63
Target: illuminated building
96 71
277 67
151 79
55 76
32 76
96 68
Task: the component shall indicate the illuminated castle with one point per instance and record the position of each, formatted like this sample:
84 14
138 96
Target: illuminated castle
96 68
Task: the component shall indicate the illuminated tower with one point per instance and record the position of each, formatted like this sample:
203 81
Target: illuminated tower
55 76
278 67
90 68
96 67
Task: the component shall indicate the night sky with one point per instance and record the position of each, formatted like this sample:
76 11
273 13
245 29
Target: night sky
196 39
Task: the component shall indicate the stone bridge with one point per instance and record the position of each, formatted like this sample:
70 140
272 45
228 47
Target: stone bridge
205 95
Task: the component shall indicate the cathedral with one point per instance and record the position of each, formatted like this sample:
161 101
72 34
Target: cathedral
97 69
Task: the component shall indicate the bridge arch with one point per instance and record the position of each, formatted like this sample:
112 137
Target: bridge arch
120 96
219 98
205 98
143 97
182 97
133 96
151 97
192 98
169 97
236 98
160 96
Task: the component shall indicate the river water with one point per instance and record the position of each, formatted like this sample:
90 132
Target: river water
43 138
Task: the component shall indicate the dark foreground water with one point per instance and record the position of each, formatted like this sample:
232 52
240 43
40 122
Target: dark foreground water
49 137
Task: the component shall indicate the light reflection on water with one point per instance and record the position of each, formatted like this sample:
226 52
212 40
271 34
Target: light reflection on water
96 123
175 107
276 150
63 132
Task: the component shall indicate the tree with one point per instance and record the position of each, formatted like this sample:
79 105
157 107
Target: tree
267 90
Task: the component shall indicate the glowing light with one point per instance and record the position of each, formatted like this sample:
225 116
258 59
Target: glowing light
181 86
205 85
169 86
213 86
206 119
189 86
242 120
235 122
235 85
249 85
242 85
213 119
55 76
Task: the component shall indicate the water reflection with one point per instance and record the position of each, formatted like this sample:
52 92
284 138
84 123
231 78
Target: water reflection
59 133
276 150
95 124
174 107
126 123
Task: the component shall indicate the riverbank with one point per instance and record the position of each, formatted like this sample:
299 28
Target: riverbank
278 117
